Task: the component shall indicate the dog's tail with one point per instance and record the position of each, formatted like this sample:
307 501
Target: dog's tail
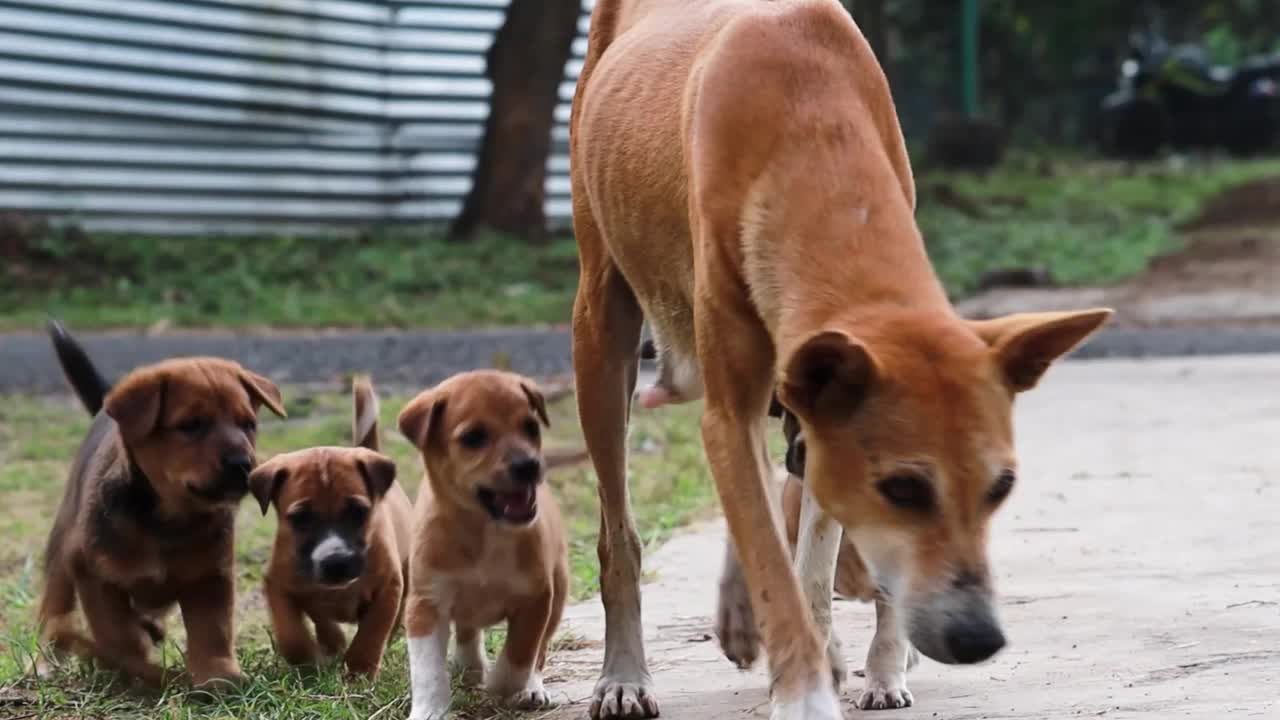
364 415
88 383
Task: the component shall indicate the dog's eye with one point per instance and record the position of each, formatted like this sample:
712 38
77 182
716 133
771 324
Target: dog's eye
1002 487
474 439
300 519
532 429
192 426
356 514
249 426
908 491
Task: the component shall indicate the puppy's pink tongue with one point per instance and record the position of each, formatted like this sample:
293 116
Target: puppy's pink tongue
654 396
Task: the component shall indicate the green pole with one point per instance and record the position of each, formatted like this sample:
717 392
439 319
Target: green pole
969 17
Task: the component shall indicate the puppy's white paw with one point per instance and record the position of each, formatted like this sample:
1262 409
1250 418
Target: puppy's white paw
885 692
618 698
429 714
736 622
533 697
819 703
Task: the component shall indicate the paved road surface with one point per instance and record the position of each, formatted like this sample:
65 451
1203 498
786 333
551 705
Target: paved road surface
416 359
1138 564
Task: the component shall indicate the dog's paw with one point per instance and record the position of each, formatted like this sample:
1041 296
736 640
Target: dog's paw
736 623
885 693
817 704
362 668
223 682
330 638
428 713
534 697
615 698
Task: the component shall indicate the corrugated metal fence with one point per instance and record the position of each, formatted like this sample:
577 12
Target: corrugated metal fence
239 116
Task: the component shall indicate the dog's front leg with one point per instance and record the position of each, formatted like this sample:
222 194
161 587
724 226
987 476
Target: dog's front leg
515 678
887 663
428 633
817 550
364 656
738 386
293 639
208 612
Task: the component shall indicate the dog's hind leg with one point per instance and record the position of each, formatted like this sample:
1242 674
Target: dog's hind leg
56 620
606 332
118 636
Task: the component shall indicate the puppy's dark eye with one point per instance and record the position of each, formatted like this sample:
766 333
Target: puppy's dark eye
1002 487
532 429
193 426
249 426
908 491
356 513
474 439
300 519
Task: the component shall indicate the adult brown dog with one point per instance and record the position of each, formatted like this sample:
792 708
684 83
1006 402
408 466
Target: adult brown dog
488 545
148 517
740 180
341 549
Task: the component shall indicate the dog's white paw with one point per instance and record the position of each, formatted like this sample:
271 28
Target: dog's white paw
736 622
429 713
819 703
888 692
618 698
531 698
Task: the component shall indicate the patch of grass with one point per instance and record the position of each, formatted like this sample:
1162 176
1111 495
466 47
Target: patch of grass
38 436
1086 222
398 279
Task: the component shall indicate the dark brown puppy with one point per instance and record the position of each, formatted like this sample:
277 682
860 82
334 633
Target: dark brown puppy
147 520
342 544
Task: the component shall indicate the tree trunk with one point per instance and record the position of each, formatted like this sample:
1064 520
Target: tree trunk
526 66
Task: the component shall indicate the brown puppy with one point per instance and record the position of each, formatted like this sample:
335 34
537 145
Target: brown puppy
740 181
488 543
342 544
148 516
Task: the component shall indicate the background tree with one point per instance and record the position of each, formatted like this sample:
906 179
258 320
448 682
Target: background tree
526 66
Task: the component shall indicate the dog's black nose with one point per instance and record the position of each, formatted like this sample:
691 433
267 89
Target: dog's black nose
974 641
237 465
526 470
339 568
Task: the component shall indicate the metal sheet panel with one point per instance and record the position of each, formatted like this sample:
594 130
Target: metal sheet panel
250 116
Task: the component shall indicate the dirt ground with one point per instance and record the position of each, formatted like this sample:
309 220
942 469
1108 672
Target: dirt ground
1227 273
1138 564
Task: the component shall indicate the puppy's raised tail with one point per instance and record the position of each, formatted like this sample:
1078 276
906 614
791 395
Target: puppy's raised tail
364 414
85 380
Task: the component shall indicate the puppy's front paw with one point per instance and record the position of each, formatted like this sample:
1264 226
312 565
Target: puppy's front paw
885 692
534 697
330 638
362 667
228 682
736 622
817 704
428 713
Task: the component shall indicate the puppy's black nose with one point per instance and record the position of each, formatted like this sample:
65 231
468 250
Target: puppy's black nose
339 568
526 470
237 465
973 641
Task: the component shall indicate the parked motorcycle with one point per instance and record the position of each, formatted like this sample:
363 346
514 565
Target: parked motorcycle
1175 97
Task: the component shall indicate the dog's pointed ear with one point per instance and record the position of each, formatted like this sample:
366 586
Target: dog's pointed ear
1026 344
537 401
827 376
378 471
263 392
137 403
420 417
266 480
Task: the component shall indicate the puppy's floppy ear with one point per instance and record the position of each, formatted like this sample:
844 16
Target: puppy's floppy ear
1026 344
828 376
263 392
266 480
378 471
536 401
137 403
420 417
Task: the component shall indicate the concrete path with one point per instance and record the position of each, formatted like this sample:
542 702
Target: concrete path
1138 564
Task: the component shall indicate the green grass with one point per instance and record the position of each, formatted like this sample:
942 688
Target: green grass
670 487
1087 222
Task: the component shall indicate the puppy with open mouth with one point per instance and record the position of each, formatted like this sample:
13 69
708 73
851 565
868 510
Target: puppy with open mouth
147 521
341 547
488 545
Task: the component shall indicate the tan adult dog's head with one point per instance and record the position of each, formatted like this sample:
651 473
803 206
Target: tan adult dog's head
324 498
480 434
190 425
907 433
